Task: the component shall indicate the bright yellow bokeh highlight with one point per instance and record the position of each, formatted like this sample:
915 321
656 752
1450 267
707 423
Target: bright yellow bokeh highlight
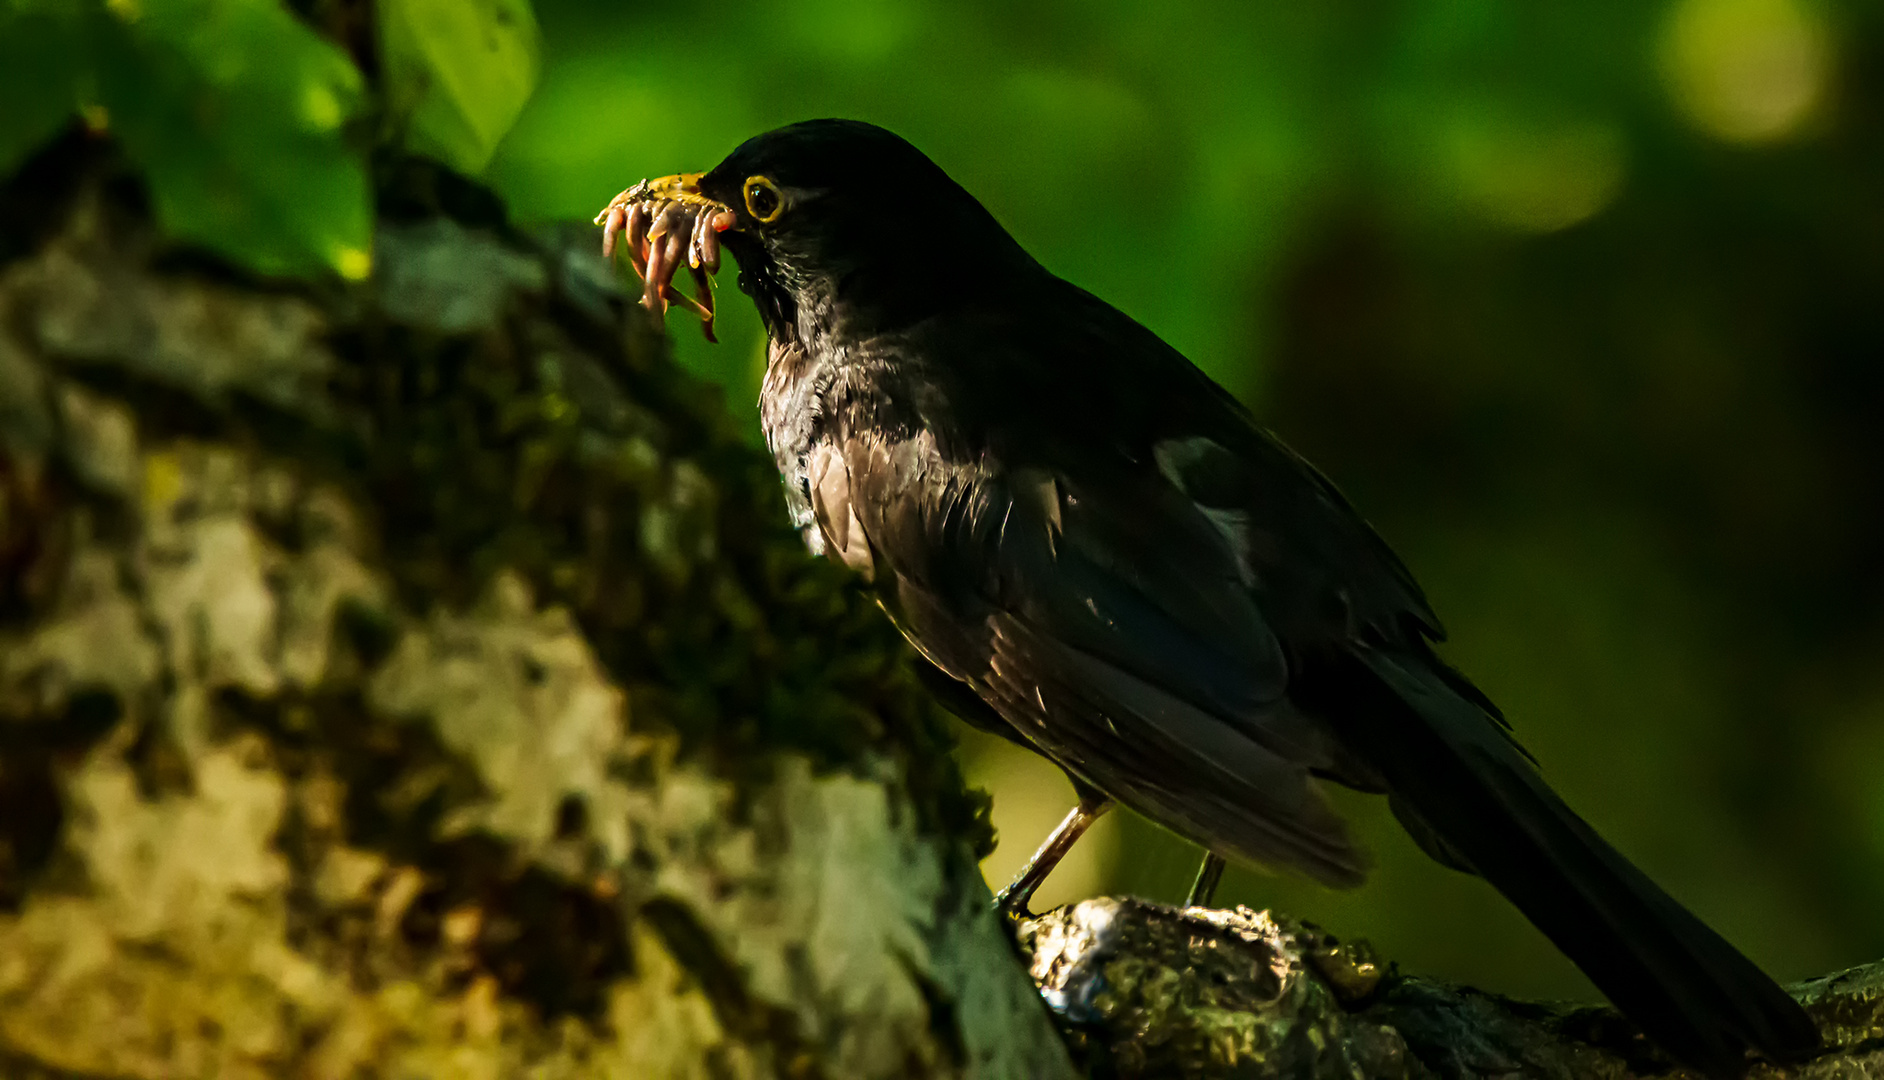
1747 71
320 107
1537 178
353 263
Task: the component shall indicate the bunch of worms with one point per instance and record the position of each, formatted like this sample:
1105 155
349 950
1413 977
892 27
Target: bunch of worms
662 235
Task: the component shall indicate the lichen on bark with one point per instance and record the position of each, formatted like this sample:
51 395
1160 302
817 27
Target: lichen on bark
417 679
1143 990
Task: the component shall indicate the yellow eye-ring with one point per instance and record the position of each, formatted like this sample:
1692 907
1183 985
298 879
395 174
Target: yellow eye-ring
762 200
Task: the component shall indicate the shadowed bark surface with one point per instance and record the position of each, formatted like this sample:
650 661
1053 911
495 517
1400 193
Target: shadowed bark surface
417 679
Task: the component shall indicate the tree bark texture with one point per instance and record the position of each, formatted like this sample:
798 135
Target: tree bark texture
416 679
1145 990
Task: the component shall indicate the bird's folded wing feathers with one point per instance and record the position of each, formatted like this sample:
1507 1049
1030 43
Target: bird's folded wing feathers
1121 637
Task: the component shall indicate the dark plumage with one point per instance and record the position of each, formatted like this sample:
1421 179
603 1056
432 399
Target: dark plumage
1104 557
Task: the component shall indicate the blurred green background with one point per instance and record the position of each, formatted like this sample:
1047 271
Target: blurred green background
1582 304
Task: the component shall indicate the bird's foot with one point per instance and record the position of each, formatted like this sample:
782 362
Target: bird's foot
1013 900
1209 875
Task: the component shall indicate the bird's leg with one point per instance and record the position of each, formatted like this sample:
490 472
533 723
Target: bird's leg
1014 898
1208 875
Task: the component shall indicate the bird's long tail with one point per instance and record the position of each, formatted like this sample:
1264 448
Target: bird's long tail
1689 990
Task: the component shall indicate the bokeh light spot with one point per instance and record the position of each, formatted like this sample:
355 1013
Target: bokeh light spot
320 107
1536 178
353 263
1746 71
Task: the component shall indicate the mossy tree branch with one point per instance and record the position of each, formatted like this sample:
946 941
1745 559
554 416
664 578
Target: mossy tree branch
1145 990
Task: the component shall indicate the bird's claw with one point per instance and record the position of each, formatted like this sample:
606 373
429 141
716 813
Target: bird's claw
1014 902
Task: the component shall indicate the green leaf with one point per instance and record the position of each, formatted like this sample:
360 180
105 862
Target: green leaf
236 110
41 57
459 72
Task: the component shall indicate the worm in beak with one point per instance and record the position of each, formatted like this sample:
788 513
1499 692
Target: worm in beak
665 224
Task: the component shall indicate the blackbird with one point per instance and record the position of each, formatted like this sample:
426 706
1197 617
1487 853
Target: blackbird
1099 554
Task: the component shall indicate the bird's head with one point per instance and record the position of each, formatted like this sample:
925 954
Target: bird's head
838 226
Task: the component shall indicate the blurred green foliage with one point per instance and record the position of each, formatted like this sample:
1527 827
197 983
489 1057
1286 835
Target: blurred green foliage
1160 156
253 128
458 72
1580 303
234 108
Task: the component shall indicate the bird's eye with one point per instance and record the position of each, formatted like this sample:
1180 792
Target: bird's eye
762 200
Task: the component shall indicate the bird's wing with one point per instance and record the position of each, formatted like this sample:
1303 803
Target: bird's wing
1320 573
1109 620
